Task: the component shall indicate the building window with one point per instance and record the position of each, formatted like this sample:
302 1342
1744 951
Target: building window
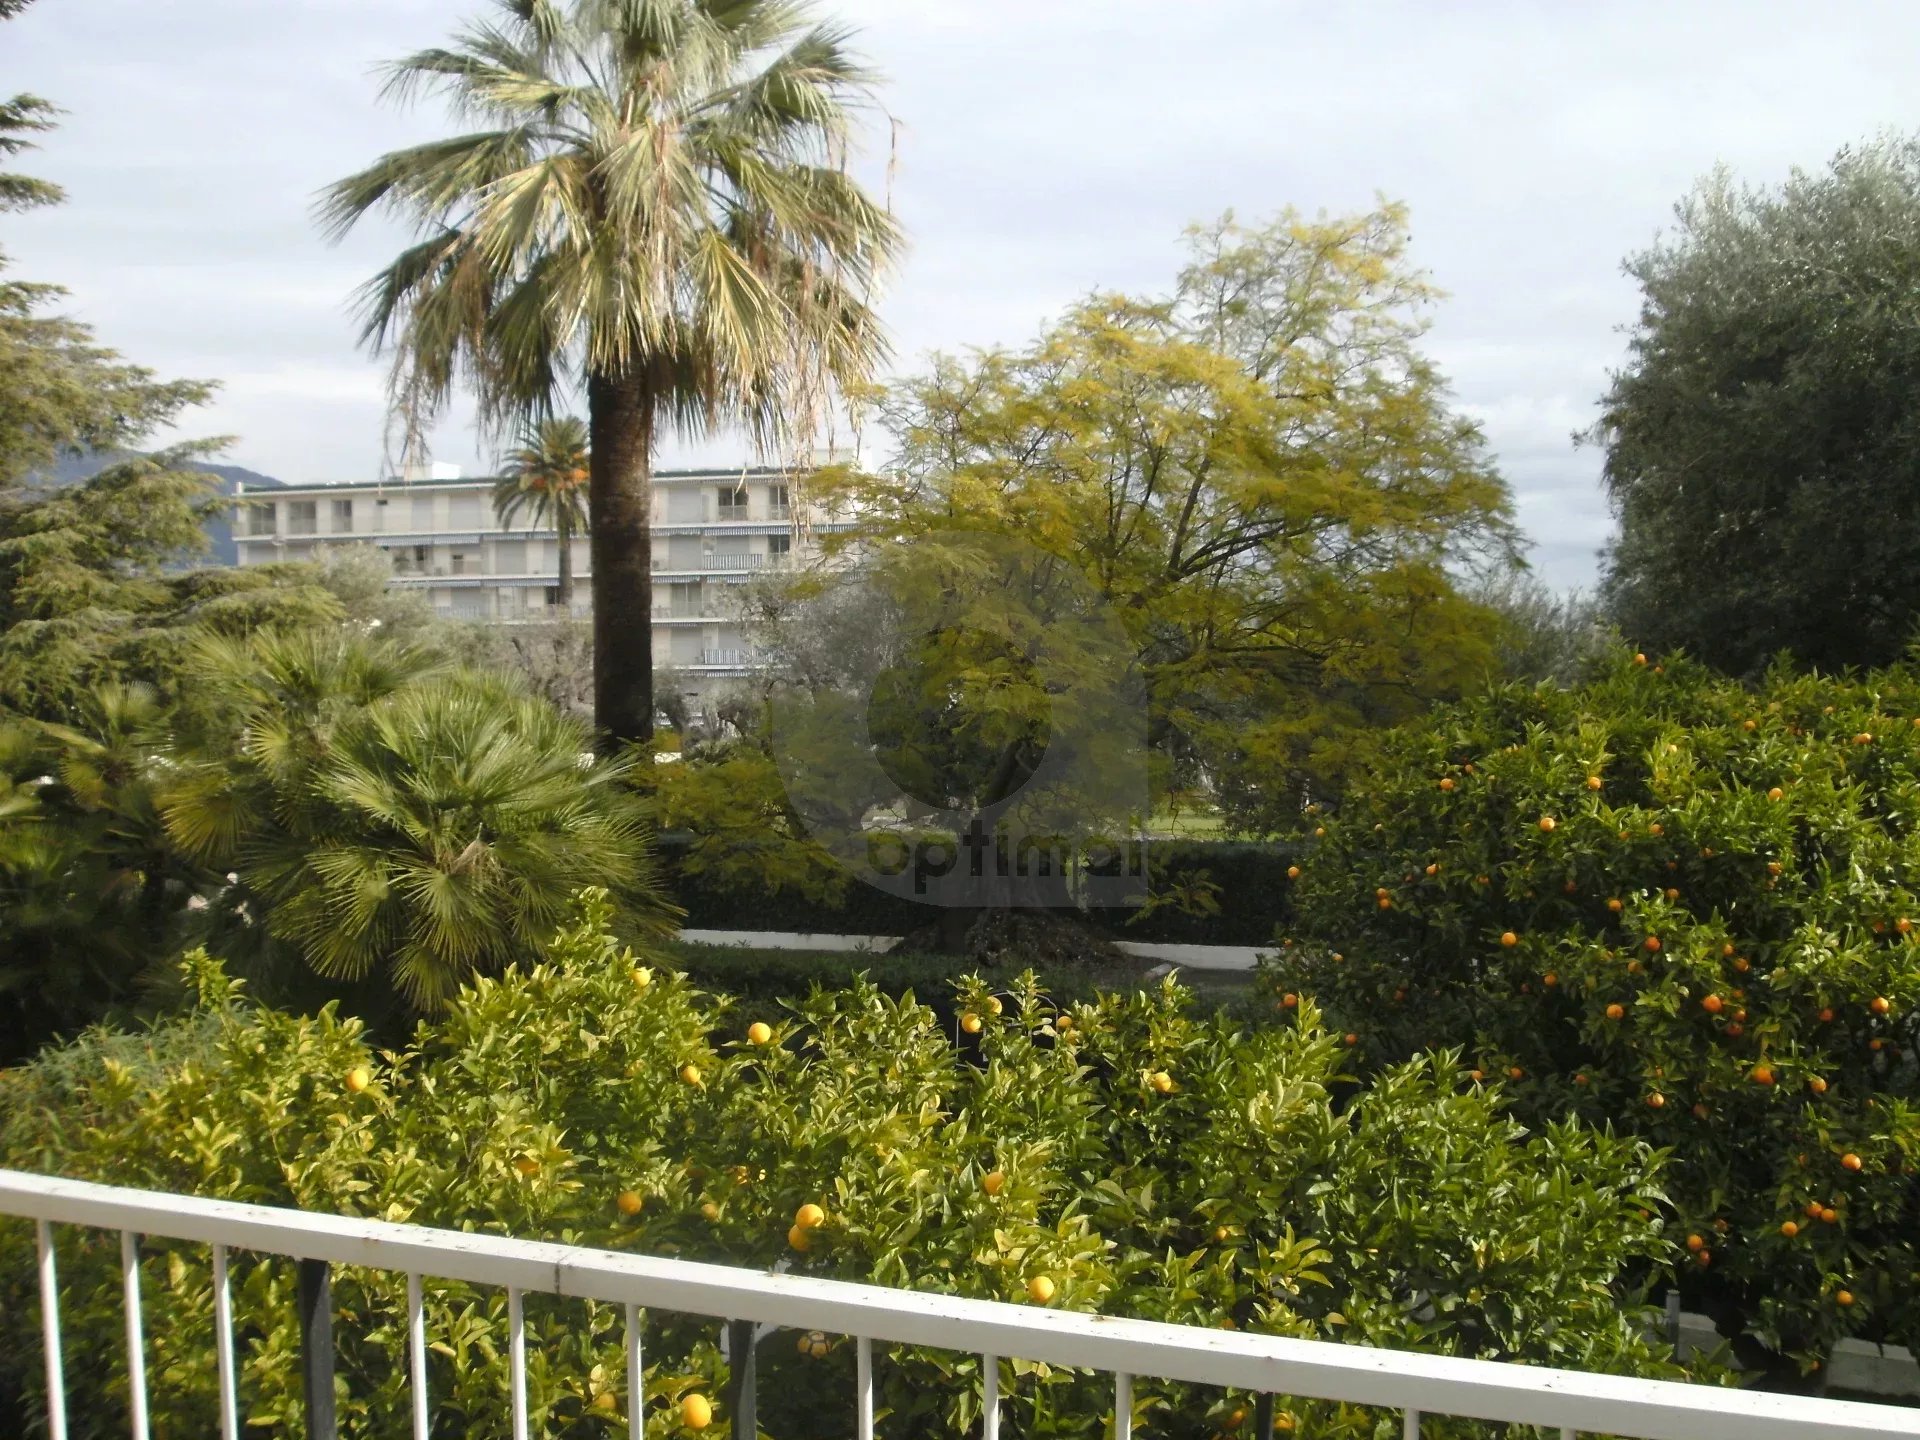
260 519
343 517
553 596
303 517
463 512
732 502
778 506
779 547
423 512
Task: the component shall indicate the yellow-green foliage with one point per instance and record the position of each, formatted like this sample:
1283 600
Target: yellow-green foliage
1239 1192
1737 870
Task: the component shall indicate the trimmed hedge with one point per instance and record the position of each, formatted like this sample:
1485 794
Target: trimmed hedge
1248 882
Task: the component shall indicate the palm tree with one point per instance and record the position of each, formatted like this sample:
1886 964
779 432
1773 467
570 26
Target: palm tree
546 480
655 208
398 821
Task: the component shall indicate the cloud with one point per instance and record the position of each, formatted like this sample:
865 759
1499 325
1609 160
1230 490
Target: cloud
1047 147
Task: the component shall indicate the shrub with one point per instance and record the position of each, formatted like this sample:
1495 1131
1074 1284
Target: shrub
1680 907
1151 1163
1204 892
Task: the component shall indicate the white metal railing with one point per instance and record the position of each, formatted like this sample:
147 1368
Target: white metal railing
725 657
1264 1365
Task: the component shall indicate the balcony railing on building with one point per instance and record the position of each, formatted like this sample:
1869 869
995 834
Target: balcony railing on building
748 1306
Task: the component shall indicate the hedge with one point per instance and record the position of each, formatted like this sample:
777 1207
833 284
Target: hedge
1248 883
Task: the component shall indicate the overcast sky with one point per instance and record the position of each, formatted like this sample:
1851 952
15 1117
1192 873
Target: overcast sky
1047 147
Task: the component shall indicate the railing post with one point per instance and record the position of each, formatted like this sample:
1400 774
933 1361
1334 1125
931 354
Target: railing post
743 1379
314 1300
50 1334
1122 1406
1263 1417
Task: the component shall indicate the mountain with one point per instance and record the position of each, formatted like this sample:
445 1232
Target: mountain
74 469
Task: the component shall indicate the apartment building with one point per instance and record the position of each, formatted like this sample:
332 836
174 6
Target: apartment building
712 532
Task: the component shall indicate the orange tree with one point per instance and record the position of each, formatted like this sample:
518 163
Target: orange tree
1681 907
1123 1156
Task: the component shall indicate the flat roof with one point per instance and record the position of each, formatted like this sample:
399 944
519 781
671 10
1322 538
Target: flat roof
330 487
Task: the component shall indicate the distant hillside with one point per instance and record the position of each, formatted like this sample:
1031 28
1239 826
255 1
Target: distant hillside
73 469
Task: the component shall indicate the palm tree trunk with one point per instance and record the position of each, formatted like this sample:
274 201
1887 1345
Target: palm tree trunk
620 501
563 529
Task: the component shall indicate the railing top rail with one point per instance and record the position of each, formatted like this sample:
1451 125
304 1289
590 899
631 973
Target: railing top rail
1481 1389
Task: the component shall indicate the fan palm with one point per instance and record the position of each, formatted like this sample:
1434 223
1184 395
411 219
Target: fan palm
655 208
545 480
398 820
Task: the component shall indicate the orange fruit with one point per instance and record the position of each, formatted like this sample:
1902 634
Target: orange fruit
759 1032
1747 725
1616 906
1508 938
1293 872
1700 1111
1065 1022
1476 1076
800 1238
1657 1100
629 1203
1447 783
1352 1039
642 978
1850 1162
1651 944
1639 659
1817 1085
1319 832
1695 1242
359 1078
993 1004
696 1412
1843 1297
690 1074
1516 1073
1580 1079
606 1401
1040 1289
1789 1228
1433 869
1880 1005
1289 1001
710 1211
1616 1011
527 1166
809 1216
970 1023
993 1182
1825 1016
1713 1004
1776 793
1593 782
1546 823
815 1345
1550 979
1385 902
1863 738
1763 1075
1656 829
1703 1257
1828 1215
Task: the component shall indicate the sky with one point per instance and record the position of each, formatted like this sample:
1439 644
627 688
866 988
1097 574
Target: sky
1042 149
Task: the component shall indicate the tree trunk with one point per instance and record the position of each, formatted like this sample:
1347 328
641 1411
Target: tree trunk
563 528
620 499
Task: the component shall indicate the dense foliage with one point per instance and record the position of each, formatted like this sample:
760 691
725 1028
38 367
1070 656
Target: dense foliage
1682 908
1761 448
1261 480
1142 1160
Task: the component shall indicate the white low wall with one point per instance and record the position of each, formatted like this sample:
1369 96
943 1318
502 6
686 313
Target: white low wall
1194 957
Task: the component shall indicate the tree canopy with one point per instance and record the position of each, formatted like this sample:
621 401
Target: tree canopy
1259 476
1762 450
